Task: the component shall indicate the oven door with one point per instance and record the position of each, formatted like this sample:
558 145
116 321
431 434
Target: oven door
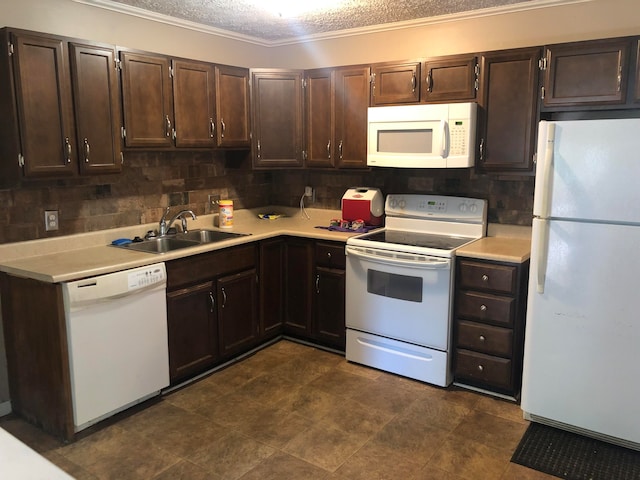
405 297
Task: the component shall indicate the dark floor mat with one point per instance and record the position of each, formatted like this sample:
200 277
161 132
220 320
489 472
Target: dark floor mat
575 457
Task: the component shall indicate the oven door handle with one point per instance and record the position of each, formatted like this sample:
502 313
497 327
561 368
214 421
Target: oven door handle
411 260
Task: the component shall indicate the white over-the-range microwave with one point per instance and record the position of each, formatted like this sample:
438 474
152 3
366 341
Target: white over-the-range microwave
422 136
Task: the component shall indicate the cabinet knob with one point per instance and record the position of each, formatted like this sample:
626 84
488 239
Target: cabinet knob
485 278
480 368
483 308
482 338
329 255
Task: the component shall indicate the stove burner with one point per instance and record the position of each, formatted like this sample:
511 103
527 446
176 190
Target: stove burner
425 240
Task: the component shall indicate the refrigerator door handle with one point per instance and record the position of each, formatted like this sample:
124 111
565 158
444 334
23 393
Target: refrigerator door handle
543 250
547 174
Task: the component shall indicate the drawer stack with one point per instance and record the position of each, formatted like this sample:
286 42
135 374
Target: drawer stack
489 315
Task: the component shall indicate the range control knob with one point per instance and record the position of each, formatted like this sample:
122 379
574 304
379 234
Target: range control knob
403 204
473 208
463 207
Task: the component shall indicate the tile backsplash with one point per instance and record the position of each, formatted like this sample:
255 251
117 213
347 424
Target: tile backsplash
151 181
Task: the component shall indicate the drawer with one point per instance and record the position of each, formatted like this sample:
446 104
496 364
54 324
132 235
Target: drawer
483 368
485 276
486 308
484 338
330 255
205 266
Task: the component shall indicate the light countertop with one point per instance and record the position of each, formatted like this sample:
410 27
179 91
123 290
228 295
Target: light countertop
19 462
504 249
72 257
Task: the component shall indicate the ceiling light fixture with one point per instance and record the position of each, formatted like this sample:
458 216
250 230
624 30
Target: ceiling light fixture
296 8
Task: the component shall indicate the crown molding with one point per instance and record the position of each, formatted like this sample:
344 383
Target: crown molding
420 22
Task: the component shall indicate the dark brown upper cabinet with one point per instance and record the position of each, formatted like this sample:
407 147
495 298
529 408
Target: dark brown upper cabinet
97 107
147 99
276 104
319 118
583 74
183 103
232 106
60 98
351 103
395 83
450 79
507 125
194 104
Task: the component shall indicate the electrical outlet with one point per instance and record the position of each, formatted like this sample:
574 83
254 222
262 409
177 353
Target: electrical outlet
308 191
51 220
212 204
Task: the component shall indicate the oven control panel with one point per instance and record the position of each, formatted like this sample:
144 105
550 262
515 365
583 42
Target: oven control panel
438 206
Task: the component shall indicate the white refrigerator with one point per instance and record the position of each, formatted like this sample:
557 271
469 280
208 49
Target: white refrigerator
582 344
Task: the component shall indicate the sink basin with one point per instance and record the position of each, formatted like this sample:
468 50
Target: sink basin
208 236
170 243
161 245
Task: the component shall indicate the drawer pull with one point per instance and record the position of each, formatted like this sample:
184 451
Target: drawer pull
482 338
483 308
485 278
480 368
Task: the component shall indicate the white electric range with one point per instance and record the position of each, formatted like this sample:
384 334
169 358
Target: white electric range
399 284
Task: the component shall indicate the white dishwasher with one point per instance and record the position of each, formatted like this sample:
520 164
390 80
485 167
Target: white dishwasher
117 339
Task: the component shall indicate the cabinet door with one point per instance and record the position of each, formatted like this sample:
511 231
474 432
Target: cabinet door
450 79
97 107
329 323
44 106
147 100
277 118
298 287
232 106
508 118
395 83
194 103
193 341
586 73
351 103
319 92
271 287
237 312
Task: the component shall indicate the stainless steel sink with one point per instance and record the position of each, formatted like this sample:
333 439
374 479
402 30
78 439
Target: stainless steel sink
160 245
178 241
208 236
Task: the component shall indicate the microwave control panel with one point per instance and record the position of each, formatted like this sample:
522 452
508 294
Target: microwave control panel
458 133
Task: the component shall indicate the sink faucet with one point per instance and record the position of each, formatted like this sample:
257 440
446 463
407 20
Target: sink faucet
164 226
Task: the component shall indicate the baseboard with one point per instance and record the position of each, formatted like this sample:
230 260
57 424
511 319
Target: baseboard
5 408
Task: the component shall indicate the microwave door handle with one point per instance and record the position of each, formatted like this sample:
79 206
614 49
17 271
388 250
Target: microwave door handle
444 132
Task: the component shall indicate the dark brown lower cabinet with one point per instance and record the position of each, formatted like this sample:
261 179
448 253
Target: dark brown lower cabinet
490 302
328 326
314 291
212 305
271 287
237 302
298 287
193 336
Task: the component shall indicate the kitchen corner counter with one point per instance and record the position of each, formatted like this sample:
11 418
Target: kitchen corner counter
503 249
72 257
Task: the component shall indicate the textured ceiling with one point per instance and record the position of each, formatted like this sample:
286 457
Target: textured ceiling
244 19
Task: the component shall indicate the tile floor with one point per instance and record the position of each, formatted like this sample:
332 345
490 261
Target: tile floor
296 412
